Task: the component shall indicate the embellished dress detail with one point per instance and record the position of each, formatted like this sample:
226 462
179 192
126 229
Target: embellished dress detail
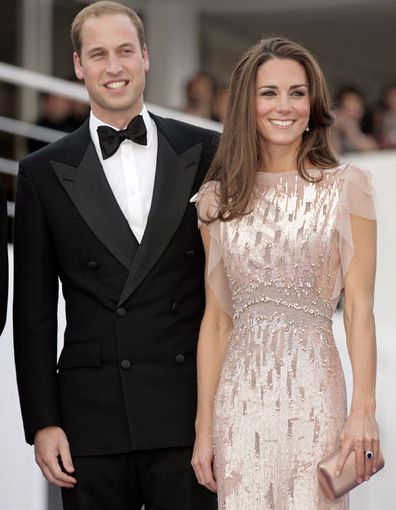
278 271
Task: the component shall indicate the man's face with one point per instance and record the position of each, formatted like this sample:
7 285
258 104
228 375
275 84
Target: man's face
113 66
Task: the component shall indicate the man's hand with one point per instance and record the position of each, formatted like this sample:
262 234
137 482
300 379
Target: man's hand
50 443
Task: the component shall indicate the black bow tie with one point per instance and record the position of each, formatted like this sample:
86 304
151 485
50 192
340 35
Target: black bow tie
110 139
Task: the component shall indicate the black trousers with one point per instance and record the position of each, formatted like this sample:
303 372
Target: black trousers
161 479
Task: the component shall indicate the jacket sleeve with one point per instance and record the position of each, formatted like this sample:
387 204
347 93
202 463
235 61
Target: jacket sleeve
35 309
3 258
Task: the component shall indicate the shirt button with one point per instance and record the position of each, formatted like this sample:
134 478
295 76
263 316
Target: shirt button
125 364
179 358
121 312
93 265
174 306
189 254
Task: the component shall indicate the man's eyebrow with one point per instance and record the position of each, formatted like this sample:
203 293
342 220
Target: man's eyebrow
100 48
96 48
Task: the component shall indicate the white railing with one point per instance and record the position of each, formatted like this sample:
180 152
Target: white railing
21 128
39 81
8 166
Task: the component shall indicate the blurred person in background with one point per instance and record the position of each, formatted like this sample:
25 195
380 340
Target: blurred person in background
200 90
54 112
106 210
79 110
3 258
286 230
350 132
385 119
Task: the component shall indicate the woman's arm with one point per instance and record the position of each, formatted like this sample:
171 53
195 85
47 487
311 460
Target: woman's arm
212 344
361 432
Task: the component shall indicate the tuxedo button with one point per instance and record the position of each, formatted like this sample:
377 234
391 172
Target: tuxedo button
174 306
179 358
189 254
125 364
93 265
121 312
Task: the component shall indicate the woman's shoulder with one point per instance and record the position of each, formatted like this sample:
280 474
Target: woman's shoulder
346 170
355 190
350 173
207 199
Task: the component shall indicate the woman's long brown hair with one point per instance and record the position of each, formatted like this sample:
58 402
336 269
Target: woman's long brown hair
238 157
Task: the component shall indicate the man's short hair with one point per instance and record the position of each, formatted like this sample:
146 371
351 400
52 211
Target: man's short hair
104 8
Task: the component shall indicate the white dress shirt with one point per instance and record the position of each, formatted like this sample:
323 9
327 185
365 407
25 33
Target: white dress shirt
131 173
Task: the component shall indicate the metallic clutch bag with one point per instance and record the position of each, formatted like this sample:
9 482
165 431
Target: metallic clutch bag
336 486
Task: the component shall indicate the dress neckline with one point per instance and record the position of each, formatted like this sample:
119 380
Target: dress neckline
293 174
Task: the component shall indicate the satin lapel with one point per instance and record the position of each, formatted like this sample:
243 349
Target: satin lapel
174 179
91 194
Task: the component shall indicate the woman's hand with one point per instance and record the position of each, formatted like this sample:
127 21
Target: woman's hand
360 433
202 461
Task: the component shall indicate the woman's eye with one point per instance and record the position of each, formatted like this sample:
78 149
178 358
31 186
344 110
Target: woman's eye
267 93
298 93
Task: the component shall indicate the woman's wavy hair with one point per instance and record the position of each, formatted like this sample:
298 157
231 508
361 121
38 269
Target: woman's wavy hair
238 157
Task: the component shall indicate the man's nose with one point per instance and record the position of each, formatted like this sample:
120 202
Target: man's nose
113 64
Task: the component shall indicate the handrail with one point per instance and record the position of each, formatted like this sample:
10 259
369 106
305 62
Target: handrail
8 166
21 128
39 81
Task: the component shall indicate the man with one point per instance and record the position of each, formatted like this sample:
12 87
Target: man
111 217
3 258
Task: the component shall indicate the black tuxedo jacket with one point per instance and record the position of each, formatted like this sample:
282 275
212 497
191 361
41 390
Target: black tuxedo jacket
126 377
3 258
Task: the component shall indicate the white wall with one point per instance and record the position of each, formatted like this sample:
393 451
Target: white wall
21 484
379 493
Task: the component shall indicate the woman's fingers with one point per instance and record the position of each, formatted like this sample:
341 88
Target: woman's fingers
203 468
342 457
376 452
209 481
368 459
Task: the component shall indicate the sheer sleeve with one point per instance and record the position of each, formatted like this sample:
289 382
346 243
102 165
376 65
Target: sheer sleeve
206 203
357 197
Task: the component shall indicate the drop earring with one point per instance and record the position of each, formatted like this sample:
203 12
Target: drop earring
307 128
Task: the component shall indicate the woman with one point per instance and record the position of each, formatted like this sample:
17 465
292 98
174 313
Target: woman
285 229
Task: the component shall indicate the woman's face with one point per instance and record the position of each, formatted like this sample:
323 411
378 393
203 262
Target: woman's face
282 103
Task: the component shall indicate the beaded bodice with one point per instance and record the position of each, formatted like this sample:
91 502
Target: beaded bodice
293 257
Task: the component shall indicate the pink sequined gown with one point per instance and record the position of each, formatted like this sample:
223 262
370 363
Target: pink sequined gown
281 402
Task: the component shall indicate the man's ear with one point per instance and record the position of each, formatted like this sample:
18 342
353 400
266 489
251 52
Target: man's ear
77 66
146 59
